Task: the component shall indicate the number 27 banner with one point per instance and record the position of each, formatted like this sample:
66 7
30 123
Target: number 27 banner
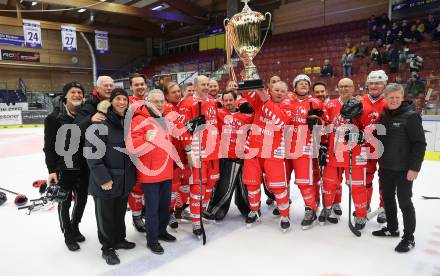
68 38
32 34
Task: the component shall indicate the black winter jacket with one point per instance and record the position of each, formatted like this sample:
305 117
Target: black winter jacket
114 165
55 162
404 142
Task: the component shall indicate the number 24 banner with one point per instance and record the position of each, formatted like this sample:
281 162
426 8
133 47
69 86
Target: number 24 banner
68 38
32 34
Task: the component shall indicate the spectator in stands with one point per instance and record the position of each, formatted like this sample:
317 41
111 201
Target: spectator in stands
392 57
347 63
320 91
383 20
415 63
413 36
430 24
374 34
213 89
188 90
327 69
383 31
395 29
389 38
379 43
400 38
362 50
372 22
415 85
405 27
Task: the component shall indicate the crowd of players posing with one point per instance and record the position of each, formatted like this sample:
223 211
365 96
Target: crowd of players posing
249 140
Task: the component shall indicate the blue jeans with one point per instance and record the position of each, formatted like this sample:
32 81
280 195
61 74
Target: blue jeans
157 197
346 71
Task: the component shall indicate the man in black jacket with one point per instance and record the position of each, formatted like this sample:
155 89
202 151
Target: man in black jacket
112 175
404 149
68 172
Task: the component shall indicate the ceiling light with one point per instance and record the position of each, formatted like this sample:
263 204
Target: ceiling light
156 8
82 10
34 3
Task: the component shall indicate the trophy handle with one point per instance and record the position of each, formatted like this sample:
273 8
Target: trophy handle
268 27
226 22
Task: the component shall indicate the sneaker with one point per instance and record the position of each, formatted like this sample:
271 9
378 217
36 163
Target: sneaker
384 232
284 224
405 245
173 222
156 248
139 224
337 209
77 236
167 237
325 213
251 218
110 256
360 223
72 245
124 244
197 229
382 217
309 218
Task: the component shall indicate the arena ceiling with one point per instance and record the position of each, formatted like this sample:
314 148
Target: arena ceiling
158 18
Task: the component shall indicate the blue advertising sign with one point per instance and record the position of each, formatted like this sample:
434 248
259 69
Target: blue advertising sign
13 40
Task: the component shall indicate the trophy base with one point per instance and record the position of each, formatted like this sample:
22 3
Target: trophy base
250 84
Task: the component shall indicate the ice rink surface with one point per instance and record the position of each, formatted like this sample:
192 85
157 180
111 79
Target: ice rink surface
33 244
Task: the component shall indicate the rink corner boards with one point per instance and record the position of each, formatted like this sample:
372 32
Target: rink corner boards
22 126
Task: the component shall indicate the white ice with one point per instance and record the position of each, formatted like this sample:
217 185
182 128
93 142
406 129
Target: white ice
33 244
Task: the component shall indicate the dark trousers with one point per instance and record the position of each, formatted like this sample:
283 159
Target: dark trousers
231 171
76 183
110 218
157 197
393 181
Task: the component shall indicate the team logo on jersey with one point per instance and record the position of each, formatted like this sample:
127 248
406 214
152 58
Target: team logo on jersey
210 112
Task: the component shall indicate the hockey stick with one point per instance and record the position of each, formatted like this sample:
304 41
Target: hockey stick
199 103
373 214
431 197
350 168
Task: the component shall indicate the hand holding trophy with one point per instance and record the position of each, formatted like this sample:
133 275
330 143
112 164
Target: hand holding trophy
243 33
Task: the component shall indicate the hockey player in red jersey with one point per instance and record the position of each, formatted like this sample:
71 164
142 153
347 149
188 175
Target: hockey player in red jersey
305 113
180 185
265 152
374 100
338 160
189 110
138 86
233 126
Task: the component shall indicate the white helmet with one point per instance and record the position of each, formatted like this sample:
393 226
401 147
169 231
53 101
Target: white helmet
300 78
376 76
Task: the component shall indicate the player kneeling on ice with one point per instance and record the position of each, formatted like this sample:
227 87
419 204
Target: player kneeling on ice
150 141
404 149
112 174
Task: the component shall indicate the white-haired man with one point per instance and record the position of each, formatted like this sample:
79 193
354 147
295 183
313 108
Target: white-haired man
374 100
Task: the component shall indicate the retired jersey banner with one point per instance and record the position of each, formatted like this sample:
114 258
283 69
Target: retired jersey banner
68 38
101 42
32 34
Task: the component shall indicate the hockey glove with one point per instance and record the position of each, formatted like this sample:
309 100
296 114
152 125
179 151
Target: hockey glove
245 108
194 123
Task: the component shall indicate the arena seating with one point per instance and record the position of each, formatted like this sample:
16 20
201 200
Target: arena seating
11 96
